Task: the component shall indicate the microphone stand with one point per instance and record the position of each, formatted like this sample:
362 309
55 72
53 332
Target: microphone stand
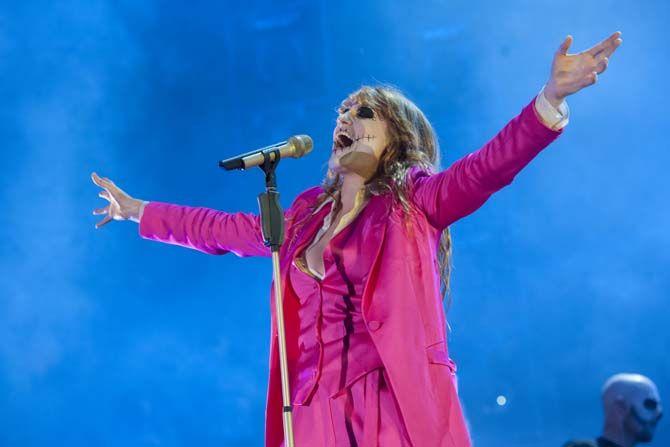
272 223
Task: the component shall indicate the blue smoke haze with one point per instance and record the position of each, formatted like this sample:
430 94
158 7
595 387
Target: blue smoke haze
106 339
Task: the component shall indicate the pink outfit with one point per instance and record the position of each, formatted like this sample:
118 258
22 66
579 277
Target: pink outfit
339 387
397 300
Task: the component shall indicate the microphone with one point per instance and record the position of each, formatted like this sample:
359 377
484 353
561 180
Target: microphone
295 147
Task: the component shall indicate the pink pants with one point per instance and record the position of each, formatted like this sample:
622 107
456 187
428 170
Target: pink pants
363 415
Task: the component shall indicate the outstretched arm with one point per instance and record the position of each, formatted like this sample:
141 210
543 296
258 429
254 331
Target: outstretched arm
203 229
466 185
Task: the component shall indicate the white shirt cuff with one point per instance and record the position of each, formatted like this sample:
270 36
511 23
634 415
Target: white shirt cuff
555 118
141 213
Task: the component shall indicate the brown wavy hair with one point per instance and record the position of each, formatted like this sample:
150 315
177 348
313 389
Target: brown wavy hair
413 142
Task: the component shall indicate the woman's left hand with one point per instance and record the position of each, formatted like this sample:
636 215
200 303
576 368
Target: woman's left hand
572 72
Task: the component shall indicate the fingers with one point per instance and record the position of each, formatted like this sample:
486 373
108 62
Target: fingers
563 48
103 222
602 65
601 54
110 190
608 45
607 51
97 180
99 211
592 78
603 44
102 182
106 184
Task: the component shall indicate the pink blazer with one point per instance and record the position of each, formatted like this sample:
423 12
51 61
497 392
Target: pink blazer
402 306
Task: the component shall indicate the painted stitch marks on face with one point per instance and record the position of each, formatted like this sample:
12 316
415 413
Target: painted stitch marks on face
359 139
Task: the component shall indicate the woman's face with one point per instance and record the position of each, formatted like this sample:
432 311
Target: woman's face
359 139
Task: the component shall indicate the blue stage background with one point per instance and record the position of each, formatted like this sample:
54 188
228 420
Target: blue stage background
560 280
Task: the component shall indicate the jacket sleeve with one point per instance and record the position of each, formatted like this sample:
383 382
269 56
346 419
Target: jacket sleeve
462 188
207 230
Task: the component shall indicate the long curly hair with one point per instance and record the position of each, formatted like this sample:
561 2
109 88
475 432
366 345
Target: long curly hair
412 142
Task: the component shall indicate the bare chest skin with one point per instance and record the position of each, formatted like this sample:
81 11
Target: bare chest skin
314 254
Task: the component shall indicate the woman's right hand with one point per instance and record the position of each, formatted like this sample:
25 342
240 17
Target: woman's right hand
121 206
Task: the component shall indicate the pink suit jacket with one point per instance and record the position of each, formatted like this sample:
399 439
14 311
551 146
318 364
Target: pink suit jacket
402 306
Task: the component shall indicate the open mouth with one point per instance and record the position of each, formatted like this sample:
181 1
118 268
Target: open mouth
343 141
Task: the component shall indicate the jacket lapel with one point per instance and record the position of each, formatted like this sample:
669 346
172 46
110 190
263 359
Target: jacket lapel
302 235
374 232
377 212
